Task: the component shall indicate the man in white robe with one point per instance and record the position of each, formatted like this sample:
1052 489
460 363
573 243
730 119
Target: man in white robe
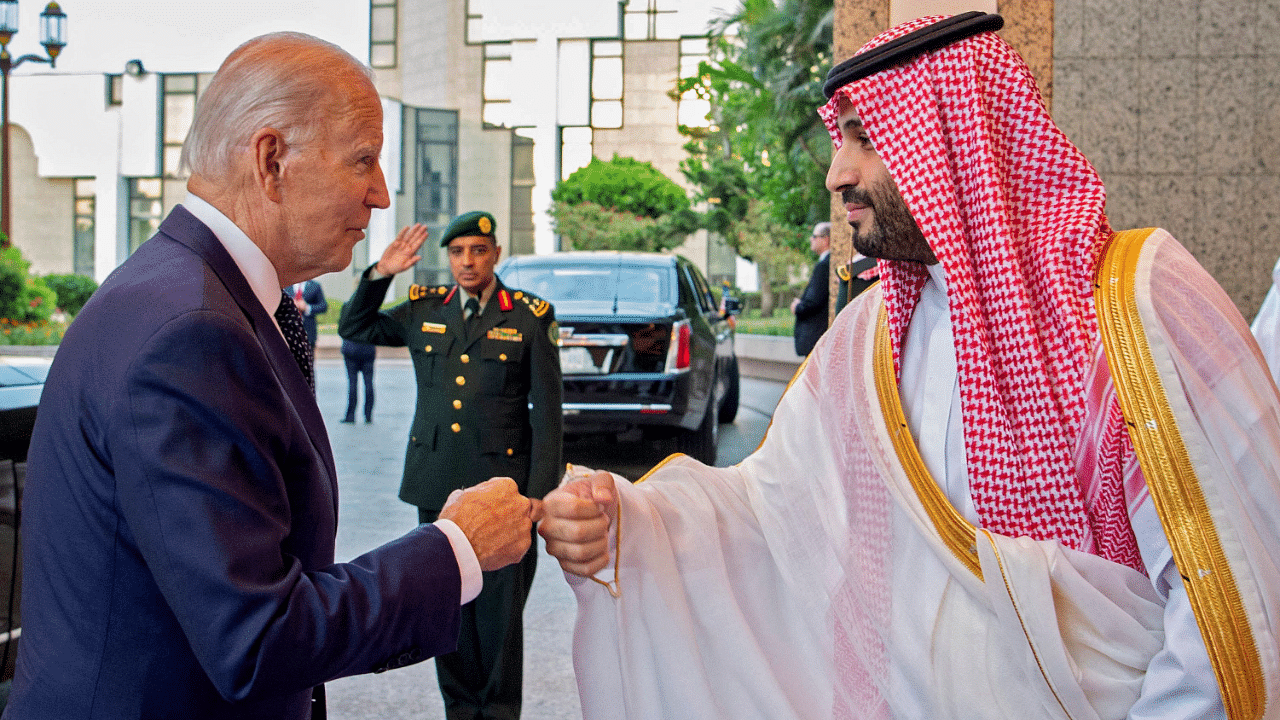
1033 473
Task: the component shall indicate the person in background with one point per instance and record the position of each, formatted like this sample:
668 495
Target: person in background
811 307
359 358
181 501
1034 472
487 363
308 297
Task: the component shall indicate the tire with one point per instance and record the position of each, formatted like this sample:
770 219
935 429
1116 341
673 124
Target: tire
729 405
700 444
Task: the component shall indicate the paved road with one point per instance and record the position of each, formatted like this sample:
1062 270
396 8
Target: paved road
370 459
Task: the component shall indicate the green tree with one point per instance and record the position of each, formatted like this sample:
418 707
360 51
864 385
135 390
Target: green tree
765 143
620 204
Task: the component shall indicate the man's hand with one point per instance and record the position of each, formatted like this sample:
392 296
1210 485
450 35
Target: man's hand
576 523
496 519
794 304
401 254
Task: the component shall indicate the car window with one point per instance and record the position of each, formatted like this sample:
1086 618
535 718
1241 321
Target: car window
597 283
700 289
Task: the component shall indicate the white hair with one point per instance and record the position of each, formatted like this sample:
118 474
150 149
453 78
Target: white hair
287 80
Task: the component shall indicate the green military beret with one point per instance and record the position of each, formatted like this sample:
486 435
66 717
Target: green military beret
476 222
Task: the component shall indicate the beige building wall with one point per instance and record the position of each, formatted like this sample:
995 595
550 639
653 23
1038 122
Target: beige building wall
40 209
1174 103
649 133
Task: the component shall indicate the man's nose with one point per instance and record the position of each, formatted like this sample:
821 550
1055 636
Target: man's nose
843 171
378 195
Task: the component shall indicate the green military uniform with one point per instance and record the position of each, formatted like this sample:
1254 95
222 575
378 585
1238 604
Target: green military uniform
488 406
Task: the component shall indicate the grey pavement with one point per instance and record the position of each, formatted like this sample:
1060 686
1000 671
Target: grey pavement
369 461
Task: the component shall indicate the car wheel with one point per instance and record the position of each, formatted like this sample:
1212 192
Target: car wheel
729 405
700 444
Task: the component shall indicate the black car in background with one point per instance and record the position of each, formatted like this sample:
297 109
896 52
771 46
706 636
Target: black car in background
643 345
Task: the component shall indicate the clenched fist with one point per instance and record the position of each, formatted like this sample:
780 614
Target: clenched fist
496 519
578 516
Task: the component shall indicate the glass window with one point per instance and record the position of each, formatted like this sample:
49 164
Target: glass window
435 181
606 84
115 89
575 149
176 114
383 28
692 110
146 209
650 20
496 109
83 223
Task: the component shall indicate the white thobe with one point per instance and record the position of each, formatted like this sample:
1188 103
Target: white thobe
1180 681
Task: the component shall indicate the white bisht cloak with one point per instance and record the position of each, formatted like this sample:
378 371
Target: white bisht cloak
820 578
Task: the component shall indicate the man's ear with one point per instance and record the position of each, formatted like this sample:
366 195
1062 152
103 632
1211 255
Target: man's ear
268 155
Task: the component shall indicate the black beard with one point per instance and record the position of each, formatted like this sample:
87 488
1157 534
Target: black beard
892 233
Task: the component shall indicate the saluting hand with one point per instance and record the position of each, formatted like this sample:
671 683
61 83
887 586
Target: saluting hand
576 521
402 253
496 519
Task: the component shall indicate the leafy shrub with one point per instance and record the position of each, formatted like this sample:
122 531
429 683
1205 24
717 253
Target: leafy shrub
72 291
36 303
625 185
23 298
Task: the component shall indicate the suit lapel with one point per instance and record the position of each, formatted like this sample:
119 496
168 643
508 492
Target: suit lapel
184 228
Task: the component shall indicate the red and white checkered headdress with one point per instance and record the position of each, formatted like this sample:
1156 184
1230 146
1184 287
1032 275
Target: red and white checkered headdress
1014 212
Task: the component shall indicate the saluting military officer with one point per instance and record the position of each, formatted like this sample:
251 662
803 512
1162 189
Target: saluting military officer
488 373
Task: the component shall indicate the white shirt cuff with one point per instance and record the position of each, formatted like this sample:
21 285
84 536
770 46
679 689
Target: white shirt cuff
468 565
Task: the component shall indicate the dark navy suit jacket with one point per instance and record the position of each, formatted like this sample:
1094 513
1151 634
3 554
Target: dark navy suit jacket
180 510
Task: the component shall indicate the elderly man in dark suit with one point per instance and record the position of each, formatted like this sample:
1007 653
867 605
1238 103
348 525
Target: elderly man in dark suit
181 502
488 372
810 308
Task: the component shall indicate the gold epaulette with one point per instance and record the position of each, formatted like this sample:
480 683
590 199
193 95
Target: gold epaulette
537 305
426 292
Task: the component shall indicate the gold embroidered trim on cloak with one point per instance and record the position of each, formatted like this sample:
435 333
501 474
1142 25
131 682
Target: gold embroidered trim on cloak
1171 479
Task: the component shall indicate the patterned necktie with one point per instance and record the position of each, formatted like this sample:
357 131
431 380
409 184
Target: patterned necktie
473 320
294 334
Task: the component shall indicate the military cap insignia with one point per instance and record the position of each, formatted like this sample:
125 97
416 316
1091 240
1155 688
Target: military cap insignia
486 227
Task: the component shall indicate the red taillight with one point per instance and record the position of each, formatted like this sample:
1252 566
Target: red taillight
678 354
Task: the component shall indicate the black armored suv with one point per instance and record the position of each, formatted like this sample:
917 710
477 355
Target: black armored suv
643 344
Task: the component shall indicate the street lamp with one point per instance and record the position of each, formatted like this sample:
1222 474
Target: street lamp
53 34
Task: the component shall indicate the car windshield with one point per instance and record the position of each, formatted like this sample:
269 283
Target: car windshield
598 283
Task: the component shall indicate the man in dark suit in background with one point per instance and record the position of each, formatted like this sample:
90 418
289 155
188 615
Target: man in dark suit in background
810 308
308 297
488 372
181 499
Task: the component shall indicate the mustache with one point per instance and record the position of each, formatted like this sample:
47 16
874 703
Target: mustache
856 196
